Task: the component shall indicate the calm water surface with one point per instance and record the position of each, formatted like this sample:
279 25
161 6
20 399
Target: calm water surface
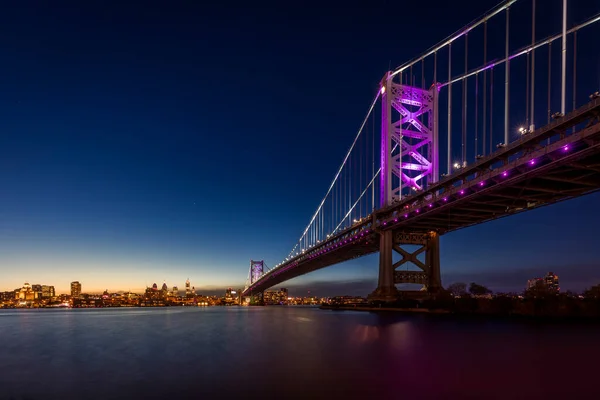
288 352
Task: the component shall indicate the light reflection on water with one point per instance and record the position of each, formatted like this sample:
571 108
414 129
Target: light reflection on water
286 352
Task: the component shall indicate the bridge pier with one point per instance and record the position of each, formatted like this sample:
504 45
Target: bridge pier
389 276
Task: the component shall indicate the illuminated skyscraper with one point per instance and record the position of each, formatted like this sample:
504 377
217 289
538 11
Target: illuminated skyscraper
551 281
188 289
175 291
75 289
48 291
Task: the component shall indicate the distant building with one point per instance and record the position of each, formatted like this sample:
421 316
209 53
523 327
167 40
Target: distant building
175 291
27 293
283 294
75 289
188 290
275 296
533 282
551 281
48 291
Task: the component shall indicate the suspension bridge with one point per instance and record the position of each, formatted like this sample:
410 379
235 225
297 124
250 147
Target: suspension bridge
519 125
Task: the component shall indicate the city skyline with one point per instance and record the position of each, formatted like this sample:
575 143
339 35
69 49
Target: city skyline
121 147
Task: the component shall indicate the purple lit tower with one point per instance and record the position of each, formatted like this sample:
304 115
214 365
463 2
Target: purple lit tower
409 139
409 162
256 270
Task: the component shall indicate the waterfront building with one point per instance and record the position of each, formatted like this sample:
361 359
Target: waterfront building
188 290
75 289
27 293
531 283
175 291
48 291
551 281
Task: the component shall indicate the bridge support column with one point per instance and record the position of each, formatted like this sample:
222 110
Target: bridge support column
386 289
432 255
389 276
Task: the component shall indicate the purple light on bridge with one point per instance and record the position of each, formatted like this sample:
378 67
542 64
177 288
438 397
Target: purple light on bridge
566 148
417 210
532 162
481 183
505 174
395 219
385 223
405 215
462 192
445 199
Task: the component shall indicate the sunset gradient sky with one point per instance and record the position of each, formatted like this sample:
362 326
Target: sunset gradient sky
143 144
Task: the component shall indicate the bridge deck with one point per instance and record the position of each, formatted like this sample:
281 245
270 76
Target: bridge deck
549 165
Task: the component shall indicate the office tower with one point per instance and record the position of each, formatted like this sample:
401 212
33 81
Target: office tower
75 289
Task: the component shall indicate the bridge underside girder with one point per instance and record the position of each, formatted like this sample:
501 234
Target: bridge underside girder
532 190
307 263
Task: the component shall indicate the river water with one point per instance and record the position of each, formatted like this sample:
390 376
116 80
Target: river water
287 353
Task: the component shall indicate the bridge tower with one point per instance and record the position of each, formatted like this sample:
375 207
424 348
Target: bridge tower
257 269
409 163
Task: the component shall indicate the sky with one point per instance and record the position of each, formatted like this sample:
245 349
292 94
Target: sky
146 142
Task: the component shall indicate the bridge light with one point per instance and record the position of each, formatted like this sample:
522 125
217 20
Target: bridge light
462 192
382 89
505 174
405 215
566 148
481 183
431 205
532 162
445 199
456 165
594 95
523 130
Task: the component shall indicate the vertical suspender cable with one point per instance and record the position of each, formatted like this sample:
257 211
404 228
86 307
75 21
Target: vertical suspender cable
549 79
527 93
449 109
464 118
373 164
563 89
531 112
506 78
484 85
476 113
491 108
574 72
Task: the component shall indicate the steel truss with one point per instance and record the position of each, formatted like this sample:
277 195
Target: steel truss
409 140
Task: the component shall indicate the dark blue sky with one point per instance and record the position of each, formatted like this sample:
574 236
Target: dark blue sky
146 141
